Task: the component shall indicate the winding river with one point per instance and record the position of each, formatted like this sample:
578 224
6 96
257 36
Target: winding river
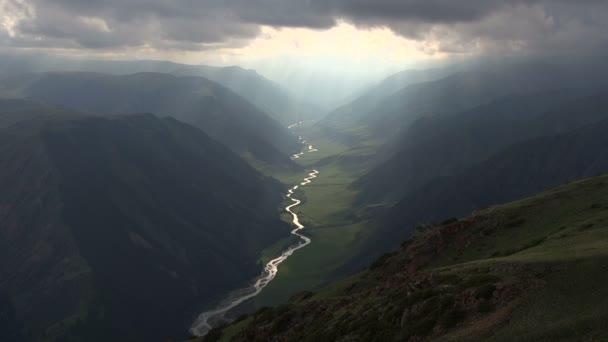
205 321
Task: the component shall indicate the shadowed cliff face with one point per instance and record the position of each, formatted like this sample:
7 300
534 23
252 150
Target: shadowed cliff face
121 228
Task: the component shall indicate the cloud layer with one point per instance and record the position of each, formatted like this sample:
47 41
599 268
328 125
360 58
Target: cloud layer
455 27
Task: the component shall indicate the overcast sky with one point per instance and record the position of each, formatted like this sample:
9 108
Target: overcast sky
341 33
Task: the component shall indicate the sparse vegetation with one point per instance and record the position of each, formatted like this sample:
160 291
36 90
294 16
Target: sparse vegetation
396 302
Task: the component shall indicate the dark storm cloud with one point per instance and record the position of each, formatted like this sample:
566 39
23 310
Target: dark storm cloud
423 11
483 25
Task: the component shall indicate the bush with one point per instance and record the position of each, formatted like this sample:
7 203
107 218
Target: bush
479 279
485 291
452 318
424 326
487 231
241 318
449 221
516 223
214 335
282 323
534 243
301 296
506 252
448 278
381 260
447 302
484 307
420 295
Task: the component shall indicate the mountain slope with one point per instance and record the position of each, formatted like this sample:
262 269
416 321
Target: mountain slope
382 117
121 228
380 114
265 94
258 90
531 270
446 146
519 170
220 113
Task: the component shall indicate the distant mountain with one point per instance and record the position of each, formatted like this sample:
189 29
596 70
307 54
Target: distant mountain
519 170
531 270
260 91
121 228
395 82
216 110
381 113
267 95
445 146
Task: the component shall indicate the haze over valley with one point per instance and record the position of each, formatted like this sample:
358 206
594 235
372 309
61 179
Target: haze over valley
351 170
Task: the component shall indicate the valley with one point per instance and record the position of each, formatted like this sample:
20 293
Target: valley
209 319
332 235
367 200
278 171
491 276
327 211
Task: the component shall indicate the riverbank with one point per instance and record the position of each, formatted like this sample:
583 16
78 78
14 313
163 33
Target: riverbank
212 318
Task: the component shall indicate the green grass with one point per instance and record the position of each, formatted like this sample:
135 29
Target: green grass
542 227
234 329
325 205
276 249
327 211
554 244
308 268
572 307
566 230
340 287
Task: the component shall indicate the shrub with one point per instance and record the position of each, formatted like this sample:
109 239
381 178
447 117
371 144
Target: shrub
452 317
487 231
505 253
478 280
534 243
282 323
381 260
516 223
485 291
424 326
484 307
449 221
447 302
448 278
301 296
213 335
420 295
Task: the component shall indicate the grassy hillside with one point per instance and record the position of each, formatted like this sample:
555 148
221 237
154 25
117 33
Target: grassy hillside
123 227
517 171
531 270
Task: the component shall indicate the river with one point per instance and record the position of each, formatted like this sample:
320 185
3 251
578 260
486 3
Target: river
205 321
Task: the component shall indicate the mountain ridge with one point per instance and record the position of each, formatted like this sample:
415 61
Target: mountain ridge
205 104
102 216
